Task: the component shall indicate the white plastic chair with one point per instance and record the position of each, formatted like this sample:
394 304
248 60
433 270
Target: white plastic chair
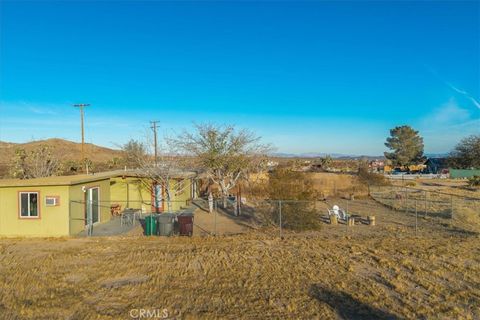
336 211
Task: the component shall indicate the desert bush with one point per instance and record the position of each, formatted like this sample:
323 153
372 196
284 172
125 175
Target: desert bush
365 177
299 216
296 215
474 181
71 167
297 194
287 184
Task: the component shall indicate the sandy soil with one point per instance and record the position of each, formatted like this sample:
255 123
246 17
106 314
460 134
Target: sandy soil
206 223
451 186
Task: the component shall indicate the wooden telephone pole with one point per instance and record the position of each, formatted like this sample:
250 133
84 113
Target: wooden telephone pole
154 128
81 106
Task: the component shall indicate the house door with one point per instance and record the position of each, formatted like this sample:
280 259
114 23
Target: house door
92 208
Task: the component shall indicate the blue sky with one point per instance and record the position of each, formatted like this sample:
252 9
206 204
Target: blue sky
310 76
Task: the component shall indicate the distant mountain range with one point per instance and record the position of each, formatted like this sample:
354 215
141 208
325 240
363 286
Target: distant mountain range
69 150
321 155
344 156
61 149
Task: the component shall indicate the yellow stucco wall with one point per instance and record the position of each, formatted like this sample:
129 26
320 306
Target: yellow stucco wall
135 193
52 222
77 204
130 192
180 197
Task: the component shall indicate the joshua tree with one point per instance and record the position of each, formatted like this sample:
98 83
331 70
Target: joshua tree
34 164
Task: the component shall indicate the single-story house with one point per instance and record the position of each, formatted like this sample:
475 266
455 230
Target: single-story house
436 165
62 205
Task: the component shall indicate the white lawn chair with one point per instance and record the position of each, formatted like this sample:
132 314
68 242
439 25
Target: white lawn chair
339 213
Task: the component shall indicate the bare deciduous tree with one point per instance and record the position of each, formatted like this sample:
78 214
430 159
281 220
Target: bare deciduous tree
134 153
466 153
169 171
224 153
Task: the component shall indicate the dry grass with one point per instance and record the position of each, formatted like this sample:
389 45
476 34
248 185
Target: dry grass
334 184
362 272
452 186
380 274
325 183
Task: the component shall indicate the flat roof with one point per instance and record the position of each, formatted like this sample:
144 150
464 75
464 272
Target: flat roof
81 178
60 180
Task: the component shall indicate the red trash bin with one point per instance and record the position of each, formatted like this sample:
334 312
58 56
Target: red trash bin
185 222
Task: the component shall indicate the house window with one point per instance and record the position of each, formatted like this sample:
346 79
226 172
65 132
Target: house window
29 204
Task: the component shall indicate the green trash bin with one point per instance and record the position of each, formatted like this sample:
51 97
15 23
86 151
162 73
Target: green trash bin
150 225
165 224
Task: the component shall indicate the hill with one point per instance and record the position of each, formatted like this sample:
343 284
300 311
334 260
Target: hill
63 150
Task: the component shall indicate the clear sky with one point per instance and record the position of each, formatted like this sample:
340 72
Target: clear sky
310 76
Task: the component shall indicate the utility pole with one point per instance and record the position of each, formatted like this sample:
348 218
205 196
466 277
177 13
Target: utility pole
81 106
154 128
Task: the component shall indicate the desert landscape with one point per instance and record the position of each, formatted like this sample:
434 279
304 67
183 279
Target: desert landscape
239 160
387 271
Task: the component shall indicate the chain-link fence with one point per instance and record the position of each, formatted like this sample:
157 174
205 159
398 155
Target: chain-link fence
105 218
428 203
386 207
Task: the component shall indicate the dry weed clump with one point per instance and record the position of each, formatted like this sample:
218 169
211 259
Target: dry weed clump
333 184
468 218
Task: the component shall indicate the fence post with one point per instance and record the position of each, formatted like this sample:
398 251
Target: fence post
397 202
406 200
416 218
215 204
451 207
425 213
280 214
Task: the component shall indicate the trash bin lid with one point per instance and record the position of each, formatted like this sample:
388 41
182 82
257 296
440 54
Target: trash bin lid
166 218
186 214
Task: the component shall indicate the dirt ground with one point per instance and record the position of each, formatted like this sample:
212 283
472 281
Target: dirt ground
451 186
206 223
362 272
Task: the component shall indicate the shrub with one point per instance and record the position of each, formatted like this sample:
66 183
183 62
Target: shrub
298 213
366 177
474 181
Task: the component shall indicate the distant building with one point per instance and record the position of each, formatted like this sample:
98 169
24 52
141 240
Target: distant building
436 165
377 165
